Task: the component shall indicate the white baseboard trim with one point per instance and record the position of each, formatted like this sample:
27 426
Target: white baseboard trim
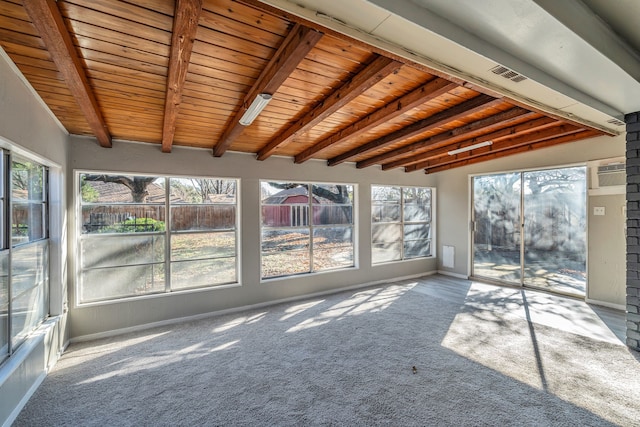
449 273
621 307
195 317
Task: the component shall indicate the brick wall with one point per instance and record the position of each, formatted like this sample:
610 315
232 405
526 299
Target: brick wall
633 229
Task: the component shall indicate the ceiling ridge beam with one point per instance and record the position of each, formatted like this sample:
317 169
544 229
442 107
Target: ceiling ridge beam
47 19
502 118
411 100
185 26
372 74
510 132
291 52
465 108
584 133
508 143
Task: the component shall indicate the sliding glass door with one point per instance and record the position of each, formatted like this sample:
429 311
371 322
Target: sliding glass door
529 229
555 238
496 237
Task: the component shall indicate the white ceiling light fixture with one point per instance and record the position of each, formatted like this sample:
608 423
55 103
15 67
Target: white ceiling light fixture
470 147
255 108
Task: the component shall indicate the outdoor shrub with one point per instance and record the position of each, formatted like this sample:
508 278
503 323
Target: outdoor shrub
135 225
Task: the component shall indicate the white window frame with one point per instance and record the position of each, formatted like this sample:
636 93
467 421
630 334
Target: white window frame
401 222
307 223
6 215
167 233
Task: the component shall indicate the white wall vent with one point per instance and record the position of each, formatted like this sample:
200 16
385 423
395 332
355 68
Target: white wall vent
448 256
508 74
616 122
608 176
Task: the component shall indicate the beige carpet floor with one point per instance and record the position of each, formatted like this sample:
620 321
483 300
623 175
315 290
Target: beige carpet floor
430 352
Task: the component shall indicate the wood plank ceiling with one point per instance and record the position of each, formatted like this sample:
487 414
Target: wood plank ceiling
183 73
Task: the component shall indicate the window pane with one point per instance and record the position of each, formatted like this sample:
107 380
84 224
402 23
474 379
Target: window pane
417 240
202 245
278 193
29 278
332 214
27 311
28 223
385 252
417 204
385 194
386 233
203 191
194 274
285 263
285 215
417 248
386 242
108 283
29 267
128 218
417 231
113 251
117 189
496 234
203 217
381 212
27 180
285 240
332 194
332 248
4 304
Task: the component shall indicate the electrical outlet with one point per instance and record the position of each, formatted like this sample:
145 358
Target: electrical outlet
598 210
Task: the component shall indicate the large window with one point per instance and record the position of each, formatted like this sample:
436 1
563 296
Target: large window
306 227
147 234
24 249
401 223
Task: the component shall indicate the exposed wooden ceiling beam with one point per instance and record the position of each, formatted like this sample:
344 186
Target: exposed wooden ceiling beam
506 144
185 25
417 97
457 111
510 132
588 133
47 19
259 4
293 49
501 119
377 70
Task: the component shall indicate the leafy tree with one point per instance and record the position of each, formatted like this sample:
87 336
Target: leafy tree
338 194
88 193
136 184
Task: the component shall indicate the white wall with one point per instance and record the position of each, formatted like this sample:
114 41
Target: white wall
85 154
607 251
27 127
453 209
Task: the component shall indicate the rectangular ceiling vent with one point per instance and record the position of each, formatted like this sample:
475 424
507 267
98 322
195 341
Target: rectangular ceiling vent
508 74
616 122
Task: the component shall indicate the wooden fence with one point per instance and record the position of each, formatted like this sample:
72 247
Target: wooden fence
107 218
